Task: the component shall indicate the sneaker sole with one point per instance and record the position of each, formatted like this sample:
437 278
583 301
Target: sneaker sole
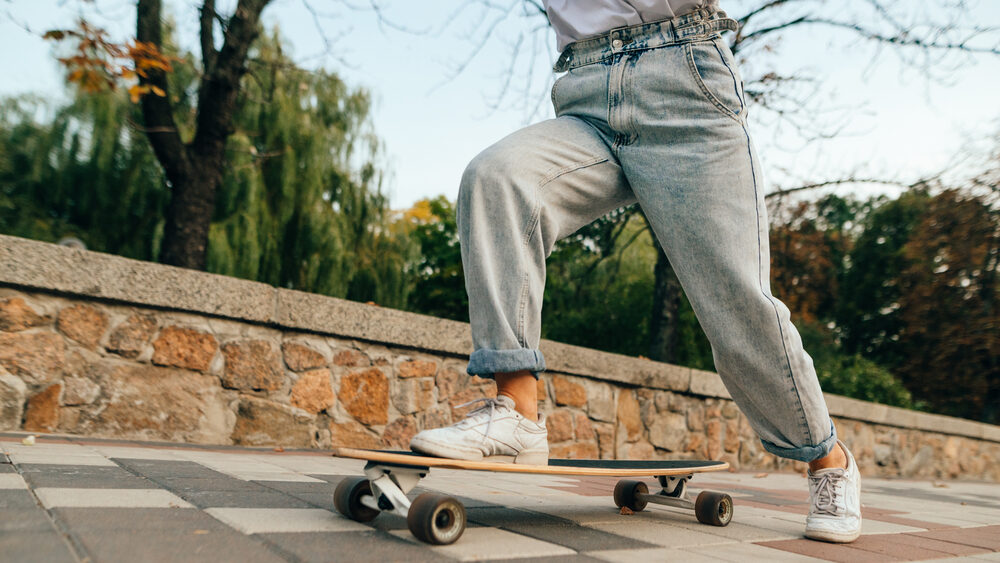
832 537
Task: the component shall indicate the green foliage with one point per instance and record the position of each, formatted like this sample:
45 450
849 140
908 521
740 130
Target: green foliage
301 204
851 375
439 286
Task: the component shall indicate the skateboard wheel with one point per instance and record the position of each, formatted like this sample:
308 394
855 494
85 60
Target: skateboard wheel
436 519
714 508
347 499
627 495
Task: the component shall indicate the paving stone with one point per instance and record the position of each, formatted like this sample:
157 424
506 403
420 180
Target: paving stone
987 537
12 481
663 533
179 547
274 520
35 546
830 552
551 529
660 554
742 552
896 544
45 458
160 468
321 547
482 543
82 477
13 498
131 519
206 484
28 519
125 498
263 499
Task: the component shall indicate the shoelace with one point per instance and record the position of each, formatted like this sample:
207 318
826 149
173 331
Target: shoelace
826 493
488 403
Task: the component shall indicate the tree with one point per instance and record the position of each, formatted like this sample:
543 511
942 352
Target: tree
439 286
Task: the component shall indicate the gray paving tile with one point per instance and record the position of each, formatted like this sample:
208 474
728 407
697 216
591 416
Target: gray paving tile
17 498
35 547
243 499
161 468
551 529
209 546
17 520
119 519
81 477
322 547
208 484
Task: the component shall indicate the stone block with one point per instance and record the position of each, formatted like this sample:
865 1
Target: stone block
696 419
568 392
301 357
560 425
399 432
365 395
541 389
16 315
352 435
694 443
416 368
79 391
413 395
605 439
662 400
731 443
351 358
730 410
264 423
708 384
184 348
130 338
37 358
157 403
601 403
640 451
450 381
252 365
13 393
575 450
669 431
84 324
42 412
582 427
628 414
313 392
713 435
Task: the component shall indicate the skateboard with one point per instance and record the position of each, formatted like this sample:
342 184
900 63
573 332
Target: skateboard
440 519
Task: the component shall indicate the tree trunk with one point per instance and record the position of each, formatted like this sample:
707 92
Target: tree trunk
195 169
663 330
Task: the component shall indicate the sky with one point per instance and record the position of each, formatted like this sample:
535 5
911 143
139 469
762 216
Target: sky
897 123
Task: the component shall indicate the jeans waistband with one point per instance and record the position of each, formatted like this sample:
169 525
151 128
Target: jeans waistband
702 22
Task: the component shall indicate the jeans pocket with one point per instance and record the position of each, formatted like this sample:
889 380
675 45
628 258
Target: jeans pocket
714 70
555 100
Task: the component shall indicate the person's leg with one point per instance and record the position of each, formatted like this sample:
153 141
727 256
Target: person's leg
517 198
697 176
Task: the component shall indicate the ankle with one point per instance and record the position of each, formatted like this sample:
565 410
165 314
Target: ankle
528 409
837 458
522 388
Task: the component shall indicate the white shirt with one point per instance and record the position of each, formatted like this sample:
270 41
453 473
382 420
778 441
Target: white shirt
573 20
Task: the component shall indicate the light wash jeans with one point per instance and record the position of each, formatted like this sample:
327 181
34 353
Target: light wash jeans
654 113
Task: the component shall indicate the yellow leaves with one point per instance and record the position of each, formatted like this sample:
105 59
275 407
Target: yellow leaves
419 213
98 63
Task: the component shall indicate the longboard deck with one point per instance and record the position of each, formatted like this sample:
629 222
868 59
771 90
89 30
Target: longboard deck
582 467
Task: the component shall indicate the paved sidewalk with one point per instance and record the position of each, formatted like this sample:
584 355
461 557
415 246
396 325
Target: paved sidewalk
72 499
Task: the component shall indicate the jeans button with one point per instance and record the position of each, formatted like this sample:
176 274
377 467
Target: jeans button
617 44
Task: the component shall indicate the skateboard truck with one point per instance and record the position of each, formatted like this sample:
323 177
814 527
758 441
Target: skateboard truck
390 485
709 507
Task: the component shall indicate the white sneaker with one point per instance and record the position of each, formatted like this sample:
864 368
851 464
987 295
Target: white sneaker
835 503
492 432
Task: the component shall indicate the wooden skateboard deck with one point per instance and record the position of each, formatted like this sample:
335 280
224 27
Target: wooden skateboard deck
440 519
581 467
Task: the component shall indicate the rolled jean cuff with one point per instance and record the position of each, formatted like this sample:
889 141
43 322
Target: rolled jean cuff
485 362
804 453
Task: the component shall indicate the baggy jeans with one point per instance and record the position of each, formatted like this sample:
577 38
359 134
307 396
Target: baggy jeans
654 114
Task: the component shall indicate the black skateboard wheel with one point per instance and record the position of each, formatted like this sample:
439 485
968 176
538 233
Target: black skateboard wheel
626 495
714 508
436 519
347 499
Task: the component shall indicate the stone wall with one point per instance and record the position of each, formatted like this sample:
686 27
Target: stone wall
102 346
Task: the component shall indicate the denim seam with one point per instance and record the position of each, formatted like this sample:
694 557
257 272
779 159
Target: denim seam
760 283
522 307
736 87
689 55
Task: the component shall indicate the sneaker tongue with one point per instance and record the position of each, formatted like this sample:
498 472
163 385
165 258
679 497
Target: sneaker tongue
506 401
819 472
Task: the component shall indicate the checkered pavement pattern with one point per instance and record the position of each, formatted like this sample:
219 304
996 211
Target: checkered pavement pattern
71 499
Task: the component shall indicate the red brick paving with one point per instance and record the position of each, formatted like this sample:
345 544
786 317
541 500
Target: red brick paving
828 551
986 537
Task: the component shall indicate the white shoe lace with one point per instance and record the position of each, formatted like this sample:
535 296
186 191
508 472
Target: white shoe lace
827 490
489 404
